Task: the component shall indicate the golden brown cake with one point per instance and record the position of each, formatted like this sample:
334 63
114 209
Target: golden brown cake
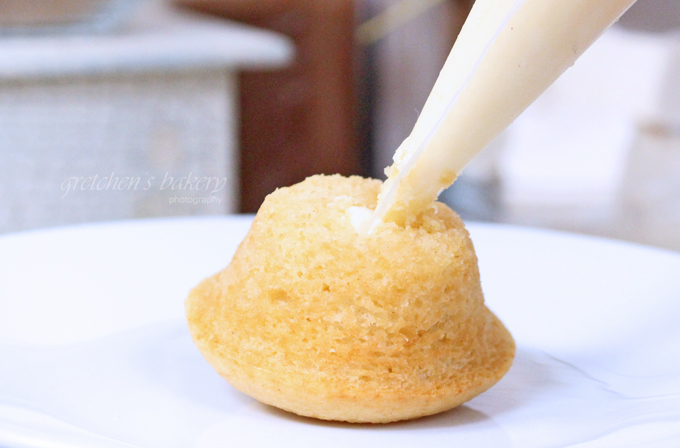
313 318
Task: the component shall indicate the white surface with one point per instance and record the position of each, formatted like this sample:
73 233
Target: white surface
157 39
94 350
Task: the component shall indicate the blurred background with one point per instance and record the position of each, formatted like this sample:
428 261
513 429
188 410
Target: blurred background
123 109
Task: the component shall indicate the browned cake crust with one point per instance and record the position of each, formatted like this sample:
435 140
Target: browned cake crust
315 319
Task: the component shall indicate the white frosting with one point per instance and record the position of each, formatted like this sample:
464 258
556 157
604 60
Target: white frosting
360 217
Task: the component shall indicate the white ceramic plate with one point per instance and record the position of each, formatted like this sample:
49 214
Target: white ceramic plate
94 351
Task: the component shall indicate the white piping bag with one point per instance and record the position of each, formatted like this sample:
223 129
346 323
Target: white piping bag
507 54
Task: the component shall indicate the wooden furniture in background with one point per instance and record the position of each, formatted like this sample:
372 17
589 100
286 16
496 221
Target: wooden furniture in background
301 120
100 127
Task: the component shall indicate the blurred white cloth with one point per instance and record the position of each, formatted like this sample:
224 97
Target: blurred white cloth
568 151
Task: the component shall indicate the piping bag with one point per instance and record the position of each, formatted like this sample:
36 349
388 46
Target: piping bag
507 54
